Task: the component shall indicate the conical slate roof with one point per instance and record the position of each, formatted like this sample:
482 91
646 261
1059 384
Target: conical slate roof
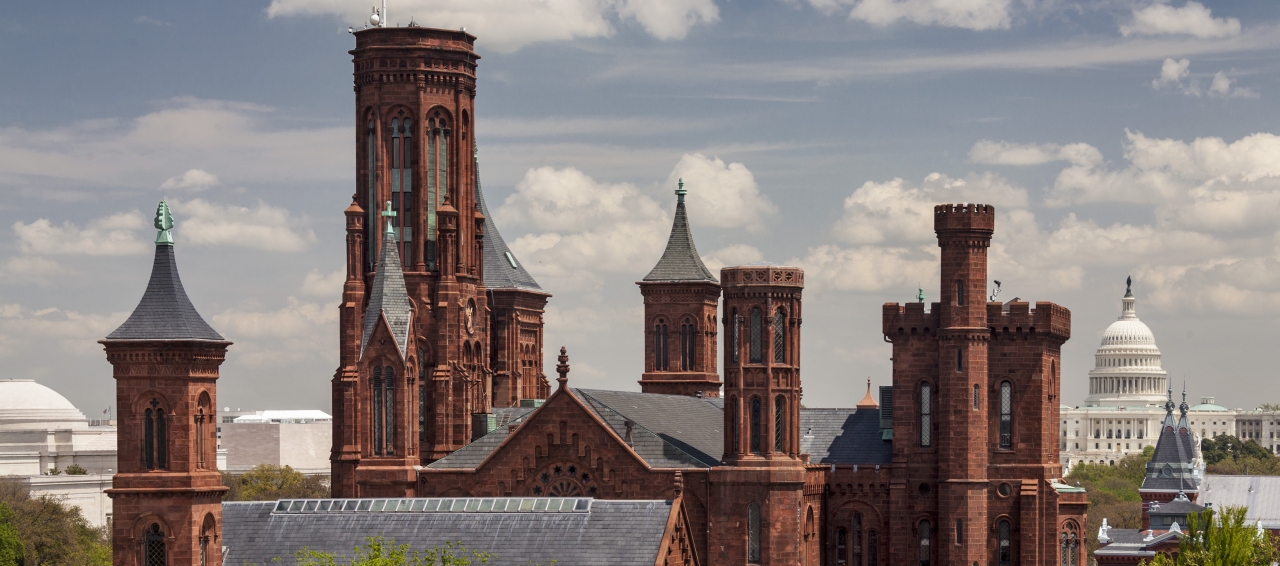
165 312
680 261
1172 466
501 268
388 297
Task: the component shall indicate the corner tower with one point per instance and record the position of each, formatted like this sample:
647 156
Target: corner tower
680 299
415 91
167 494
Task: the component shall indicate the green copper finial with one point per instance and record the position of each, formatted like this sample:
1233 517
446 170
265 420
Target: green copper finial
389 214
164 223
680 192
920 296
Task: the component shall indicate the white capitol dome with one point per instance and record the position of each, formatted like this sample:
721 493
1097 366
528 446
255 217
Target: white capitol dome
25 404
1127 369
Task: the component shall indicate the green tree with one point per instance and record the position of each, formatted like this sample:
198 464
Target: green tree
52 532
76 470
266 482
11 547
1113 492
1269 407
378 551
1231 455
1221 539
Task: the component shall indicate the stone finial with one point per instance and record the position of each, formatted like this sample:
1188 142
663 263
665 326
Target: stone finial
563 368
388 213
680 191
164 223
679 483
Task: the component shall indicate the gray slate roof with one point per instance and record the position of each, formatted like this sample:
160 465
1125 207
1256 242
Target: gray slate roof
498 272
680 261
1260 494
843 436
671 431
1132 542
388 297
612 532
1176 449
165 312
470 456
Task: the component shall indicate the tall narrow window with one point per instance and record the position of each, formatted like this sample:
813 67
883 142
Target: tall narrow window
960 358
371 208
376 385
855 543
873 548
687 330
1070 546
959 531
200 416
153 551
149 439
1006 415
735 435
780 337
389 406
1004 543
661 361
842 547
926 414
755 332
422 411
162 441
437 134
402 185
755 425
925 543
977 397
735 324
779 426
960 293
753 534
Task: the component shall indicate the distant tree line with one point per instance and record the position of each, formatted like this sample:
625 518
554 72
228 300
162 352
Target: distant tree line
266 482
1228 455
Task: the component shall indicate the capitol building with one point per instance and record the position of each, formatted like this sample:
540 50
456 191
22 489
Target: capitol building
1127 392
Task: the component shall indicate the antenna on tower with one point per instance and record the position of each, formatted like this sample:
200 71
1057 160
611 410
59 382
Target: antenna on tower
384 13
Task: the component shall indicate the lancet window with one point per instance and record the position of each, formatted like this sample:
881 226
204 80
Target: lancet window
155 437
688 332
384 402
756 336
926 414
437 133
661 359
1006 415
855 543
753 534
735 324
153 550
1004 543
925 541
755 426
371 182
779 424
402 185
780 337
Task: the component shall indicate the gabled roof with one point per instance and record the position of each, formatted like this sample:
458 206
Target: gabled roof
165 312
501 268
470 457
843 436
1172 464
388 297
670 431
609 532
680 261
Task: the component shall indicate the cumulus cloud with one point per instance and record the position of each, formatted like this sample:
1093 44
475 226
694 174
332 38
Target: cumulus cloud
507 25
1176 75
1192 19
73 331
263 227
193 180
896 212
721 195
111 235
1225 86
1173 73
866 268
319 284
282 336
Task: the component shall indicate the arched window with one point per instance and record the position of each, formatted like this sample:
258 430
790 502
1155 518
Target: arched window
376 386
1004 543
842 547
959 531
959 293
755 337
203 414
1006 415
1070 546
779 426
755 426
753 534
437 176
977 397
153 551
661 361
402 185
873 548
960 358
925 543
155 438
371 205
206 536
422 398
735 324
389 406
780 337
687 333
926 414
735 434
855 544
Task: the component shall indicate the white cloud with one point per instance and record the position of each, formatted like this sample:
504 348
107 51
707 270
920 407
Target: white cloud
866 268
265 227
507 25
296 331
1172 73
737 254
967 14
110 235
194 180
73 331
319 284
1224 86
1005 153
894 212
1192 19
720 195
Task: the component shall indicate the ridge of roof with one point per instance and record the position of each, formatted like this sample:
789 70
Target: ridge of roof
165 312
501 268
388 295
680 261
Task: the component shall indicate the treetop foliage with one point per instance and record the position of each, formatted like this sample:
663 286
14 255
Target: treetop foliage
266 482
1221 539
379 551
44 530
1231 455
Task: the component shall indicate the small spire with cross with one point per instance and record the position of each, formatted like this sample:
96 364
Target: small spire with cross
164 223
563 368
389 214
680 191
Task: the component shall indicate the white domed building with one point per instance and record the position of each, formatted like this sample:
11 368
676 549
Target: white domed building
43 434
1126 370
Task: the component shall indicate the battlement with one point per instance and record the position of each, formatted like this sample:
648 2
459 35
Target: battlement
761 276
431 38
1047 318
965 216
910 318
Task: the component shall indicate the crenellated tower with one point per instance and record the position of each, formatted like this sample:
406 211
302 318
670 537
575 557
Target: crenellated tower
167 494
762 472
680 299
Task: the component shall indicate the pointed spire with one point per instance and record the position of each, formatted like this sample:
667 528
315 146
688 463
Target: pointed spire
388 298
563 368
680 261
1168 410
165 312
1183 424
868 402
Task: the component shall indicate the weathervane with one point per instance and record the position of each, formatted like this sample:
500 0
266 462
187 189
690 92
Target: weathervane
389 214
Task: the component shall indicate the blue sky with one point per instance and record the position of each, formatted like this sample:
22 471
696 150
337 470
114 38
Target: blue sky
1115 137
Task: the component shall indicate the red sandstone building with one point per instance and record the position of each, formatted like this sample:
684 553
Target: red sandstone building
438 393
